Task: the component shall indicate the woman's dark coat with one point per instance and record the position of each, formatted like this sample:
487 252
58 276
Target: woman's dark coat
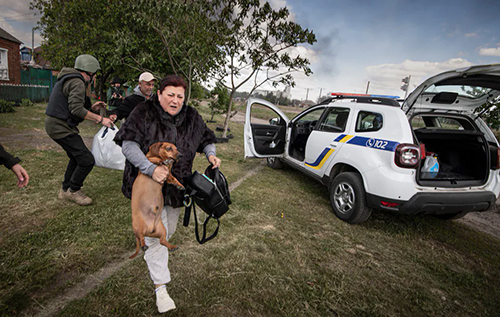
148 123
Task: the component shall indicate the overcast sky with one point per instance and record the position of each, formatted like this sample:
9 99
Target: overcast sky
361 41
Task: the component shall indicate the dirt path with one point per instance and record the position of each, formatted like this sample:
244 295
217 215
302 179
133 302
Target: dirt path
487 222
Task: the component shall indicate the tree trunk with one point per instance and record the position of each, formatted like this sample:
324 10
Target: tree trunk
228 114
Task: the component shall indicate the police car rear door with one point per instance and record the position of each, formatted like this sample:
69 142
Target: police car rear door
326 139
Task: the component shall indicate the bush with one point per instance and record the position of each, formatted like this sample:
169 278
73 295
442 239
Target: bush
194 104
27 103
6 106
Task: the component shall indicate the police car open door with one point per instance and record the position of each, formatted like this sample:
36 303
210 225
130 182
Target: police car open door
265 129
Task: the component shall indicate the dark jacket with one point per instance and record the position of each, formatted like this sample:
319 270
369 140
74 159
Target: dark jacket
128 104
7 159
74 99
149 123
58 102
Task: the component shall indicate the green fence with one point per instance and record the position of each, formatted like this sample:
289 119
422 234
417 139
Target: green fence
15 93
36 76
36 85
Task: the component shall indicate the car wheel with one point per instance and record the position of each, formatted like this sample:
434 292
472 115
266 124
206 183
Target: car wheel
454 216
274 162
348 198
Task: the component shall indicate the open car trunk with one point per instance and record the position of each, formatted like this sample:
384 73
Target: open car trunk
462 153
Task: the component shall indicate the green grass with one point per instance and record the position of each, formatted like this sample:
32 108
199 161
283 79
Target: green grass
280 249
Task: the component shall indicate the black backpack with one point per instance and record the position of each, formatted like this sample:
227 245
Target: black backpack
210 192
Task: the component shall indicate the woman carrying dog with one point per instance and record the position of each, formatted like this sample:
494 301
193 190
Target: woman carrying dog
164 118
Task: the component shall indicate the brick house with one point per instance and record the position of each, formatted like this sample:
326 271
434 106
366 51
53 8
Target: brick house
10 59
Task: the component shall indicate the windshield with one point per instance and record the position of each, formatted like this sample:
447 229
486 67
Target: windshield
472 92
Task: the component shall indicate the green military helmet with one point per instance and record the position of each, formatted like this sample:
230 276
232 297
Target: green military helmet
87 63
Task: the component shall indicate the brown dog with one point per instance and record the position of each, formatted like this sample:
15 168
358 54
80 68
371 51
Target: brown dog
147 198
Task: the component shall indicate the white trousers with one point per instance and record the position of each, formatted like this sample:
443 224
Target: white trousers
156 255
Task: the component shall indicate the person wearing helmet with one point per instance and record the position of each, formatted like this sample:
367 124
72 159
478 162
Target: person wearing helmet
68 106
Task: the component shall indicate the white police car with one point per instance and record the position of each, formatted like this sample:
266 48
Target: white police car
433 156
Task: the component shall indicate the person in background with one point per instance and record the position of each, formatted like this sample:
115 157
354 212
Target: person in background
142 92
115 94
164 118
12 163
68 106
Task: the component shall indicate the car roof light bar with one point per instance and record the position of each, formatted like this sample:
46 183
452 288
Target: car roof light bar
364 98
343 94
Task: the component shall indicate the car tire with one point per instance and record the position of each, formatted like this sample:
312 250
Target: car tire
274 163
454 216
348 198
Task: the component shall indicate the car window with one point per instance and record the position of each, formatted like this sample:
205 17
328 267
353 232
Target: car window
311 116
260 114
438 122
369 121
335 120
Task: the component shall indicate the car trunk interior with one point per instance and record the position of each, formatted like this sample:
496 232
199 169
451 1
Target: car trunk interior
463 157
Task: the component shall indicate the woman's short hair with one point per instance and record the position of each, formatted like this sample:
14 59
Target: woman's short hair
172 80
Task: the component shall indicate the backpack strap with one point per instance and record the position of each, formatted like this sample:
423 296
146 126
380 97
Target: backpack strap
188 203
204 238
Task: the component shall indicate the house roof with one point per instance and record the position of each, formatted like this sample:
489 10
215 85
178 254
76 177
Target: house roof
6 35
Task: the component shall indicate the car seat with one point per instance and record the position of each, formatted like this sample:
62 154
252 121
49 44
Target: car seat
341 120
377 122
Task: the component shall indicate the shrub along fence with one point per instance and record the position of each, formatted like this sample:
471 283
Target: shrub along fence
16 93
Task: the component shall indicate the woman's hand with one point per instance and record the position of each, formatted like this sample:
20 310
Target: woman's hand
214 160
21 174
160 174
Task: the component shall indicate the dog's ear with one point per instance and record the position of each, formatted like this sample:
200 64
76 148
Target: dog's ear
154 150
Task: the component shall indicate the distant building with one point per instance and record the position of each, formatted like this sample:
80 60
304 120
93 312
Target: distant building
38 60
10 59
25 55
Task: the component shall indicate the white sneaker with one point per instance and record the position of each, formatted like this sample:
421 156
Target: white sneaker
163 300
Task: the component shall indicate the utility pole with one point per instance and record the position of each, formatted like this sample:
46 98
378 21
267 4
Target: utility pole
307 94
32 46
319 97
367 86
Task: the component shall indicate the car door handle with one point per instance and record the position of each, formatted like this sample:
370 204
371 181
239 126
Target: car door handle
334 144
269 133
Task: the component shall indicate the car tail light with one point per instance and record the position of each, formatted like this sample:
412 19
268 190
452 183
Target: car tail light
388 204
407 155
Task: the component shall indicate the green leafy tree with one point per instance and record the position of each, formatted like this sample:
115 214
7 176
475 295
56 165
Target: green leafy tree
256 45
179 37
221 100
129 37
71 28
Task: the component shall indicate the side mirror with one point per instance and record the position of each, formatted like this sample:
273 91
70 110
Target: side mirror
274 121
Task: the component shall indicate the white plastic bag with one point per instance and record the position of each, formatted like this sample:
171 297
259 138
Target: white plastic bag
106 152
